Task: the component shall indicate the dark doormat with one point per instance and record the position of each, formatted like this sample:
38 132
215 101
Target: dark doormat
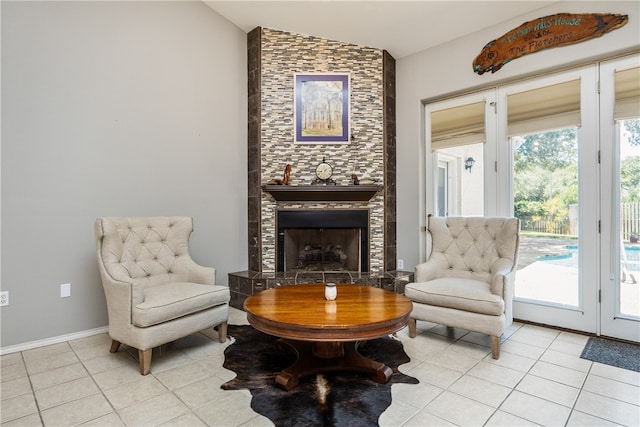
615 353
329 399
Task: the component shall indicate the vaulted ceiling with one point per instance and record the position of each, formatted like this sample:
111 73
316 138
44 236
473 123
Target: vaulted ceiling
400 27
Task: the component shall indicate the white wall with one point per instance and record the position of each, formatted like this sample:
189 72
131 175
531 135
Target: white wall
114 108
446 70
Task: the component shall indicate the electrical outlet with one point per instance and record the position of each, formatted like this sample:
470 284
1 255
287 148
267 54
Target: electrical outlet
400 264
4 298
65 290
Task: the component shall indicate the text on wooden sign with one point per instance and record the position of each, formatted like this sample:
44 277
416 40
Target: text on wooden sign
548 31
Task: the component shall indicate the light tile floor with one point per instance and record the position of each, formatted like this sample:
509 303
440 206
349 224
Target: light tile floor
538 380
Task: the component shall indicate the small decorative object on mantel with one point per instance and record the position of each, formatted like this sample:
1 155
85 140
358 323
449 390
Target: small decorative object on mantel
324 172
354 179
366 181
285 180
549 31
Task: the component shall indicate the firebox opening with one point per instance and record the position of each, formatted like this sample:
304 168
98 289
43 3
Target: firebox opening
323 240
322 249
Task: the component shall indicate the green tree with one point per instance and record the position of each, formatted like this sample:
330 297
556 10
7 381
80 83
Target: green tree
551 150
531 184
546 174
630 166
630 178
566 183
633 127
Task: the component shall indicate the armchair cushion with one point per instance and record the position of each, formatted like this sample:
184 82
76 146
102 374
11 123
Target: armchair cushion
461 294
169 301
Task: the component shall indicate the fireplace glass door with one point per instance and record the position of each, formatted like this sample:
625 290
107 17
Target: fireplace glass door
322 249
327 240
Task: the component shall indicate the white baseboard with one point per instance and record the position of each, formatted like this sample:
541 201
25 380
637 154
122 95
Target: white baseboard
52 340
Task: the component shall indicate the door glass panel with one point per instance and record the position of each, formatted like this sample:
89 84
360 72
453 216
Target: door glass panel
629 226
462 179
442 189
546 202
457 142
542 127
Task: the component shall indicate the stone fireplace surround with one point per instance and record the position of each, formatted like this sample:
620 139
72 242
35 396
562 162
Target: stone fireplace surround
262 131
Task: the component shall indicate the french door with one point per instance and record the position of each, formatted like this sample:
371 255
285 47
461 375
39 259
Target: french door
620 163
555 152
551 135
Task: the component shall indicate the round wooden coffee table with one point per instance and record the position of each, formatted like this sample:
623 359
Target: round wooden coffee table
325 334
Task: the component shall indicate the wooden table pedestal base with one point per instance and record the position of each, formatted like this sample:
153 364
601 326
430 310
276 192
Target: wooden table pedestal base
324 356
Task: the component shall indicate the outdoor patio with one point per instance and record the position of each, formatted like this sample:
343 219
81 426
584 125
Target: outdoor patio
548 281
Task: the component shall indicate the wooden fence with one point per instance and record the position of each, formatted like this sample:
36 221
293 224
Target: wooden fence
629 222
544 225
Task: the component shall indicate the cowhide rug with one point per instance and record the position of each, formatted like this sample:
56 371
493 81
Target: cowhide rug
329 399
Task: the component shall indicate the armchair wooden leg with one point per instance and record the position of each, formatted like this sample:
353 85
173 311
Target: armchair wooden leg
451 332
412 327
115 345
495 347
145 361
222 332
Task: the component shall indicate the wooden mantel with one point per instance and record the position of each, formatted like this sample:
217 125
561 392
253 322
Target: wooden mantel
322 193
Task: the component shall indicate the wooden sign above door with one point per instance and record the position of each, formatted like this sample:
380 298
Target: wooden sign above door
549 31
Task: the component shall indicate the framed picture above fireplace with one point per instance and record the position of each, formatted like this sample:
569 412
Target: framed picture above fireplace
321 108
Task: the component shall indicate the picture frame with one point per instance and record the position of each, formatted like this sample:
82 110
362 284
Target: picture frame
321 110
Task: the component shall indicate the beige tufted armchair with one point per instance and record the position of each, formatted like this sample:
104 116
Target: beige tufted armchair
468 280
155 292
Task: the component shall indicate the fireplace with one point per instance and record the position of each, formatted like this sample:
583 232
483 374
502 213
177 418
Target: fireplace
371 153
323 240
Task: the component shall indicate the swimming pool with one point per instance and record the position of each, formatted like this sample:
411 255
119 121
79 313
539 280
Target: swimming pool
570 258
